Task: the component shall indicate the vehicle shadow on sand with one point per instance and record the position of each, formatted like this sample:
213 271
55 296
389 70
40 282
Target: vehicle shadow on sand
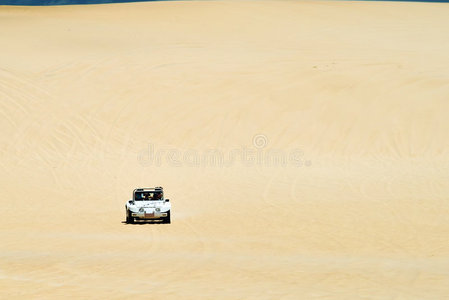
145 223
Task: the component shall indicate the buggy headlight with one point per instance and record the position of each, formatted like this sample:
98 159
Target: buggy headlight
158 209
141 209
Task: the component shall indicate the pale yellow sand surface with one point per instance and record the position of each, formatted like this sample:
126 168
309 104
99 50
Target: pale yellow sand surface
352 95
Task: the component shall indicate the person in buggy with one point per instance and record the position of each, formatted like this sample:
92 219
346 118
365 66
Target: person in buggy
157 196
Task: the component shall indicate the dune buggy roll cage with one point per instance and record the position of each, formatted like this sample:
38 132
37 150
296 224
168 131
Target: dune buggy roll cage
156 189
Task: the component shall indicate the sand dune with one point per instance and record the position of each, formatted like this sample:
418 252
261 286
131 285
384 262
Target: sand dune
208 99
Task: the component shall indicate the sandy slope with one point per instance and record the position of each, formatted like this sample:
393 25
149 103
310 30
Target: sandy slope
360 88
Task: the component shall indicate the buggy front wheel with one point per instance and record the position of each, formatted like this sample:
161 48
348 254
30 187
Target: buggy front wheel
129 218
167 219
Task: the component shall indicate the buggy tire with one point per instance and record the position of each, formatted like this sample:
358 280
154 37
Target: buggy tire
167 219
129 218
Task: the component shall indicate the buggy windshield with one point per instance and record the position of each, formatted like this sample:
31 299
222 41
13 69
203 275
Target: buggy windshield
148 196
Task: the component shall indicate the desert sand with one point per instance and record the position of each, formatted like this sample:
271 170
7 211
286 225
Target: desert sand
328 124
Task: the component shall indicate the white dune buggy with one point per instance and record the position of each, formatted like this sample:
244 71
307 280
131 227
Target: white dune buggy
148 204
